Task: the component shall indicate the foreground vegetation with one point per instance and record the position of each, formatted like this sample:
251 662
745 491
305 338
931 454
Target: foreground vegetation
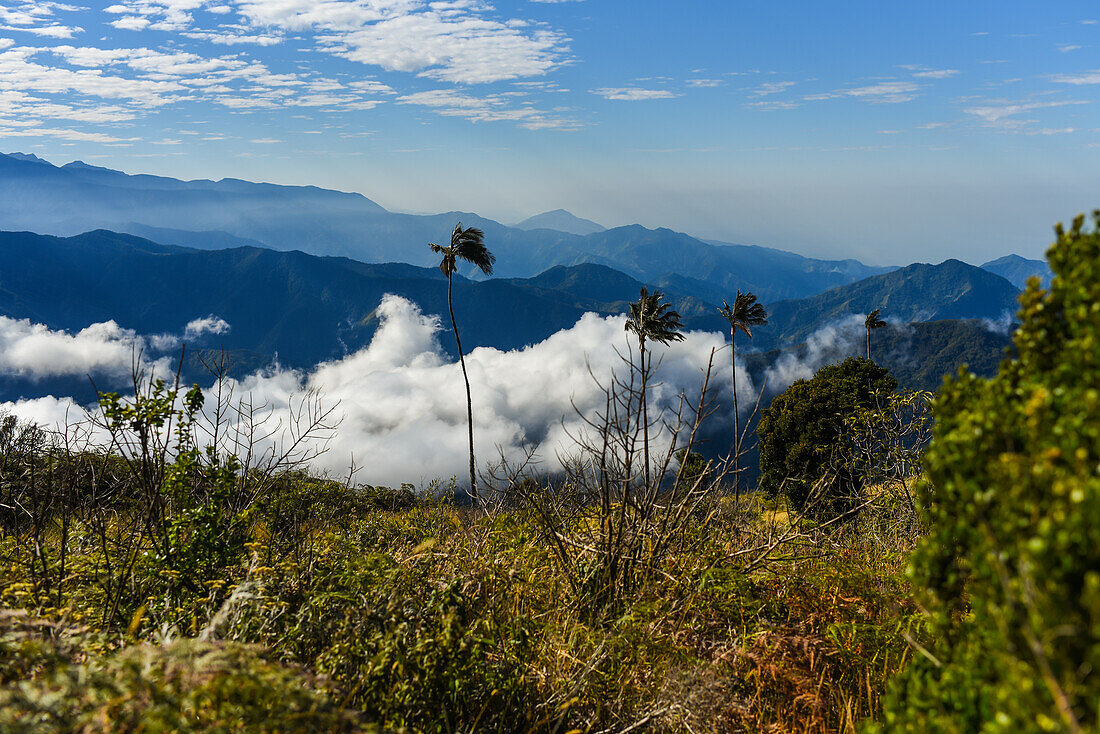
170 581
359 610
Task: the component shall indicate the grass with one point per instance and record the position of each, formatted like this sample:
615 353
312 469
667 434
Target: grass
370 612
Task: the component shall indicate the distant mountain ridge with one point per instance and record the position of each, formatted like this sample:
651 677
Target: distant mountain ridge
1017 270
67 200
562 221
308 309
305 308
918 292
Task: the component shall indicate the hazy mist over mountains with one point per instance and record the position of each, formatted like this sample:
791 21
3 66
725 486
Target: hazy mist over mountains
304 288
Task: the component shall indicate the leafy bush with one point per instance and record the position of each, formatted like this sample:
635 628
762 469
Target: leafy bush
1010 572
189 686
802 427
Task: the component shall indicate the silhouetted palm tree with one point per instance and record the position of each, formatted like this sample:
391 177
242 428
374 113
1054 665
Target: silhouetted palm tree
468 245
872 322
651 320
744 314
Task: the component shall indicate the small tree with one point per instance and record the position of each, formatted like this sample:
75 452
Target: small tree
744 314
651 320
1010 571
872 322
468 245
802 428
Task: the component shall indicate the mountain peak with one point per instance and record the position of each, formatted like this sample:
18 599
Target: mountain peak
561 221
1017 270
81 165
28 157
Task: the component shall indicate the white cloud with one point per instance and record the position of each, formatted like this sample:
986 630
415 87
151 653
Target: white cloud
34 351
768 88
633 94
885 92
108 85
131 23
1000 114
489 108
926 72
450 41
235 39
49 31
936 73
19 73
37 18
209 325
1079 79
404 407
158 15
829 344
62 134
774 104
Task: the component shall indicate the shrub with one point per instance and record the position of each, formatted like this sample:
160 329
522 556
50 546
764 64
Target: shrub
50 685
801 428
1010 572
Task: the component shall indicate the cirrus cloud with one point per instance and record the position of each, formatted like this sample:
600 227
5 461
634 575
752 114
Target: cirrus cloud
633 94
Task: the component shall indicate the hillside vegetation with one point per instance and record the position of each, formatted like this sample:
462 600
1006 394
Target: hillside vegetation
163 572
306 309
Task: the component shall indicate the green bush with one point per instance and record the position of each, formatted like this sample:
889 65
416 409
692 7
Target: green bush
803 426
50 685
1010 572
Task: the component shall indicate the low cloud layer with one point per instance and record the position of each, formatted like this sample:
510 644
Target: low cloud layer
403 404
34 351
829 344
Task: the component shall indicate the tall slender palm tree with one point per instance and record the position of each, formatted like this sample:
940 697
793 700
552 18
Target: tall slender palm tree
872 322
651 320
744 314
468 245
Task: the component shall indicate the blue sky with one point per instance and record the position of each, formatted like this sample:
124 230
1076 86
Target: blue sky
890 132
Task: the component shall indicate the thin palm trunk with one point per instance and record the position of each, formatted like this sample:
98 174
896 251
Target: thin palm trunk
645 414
868 342
736 422
469 398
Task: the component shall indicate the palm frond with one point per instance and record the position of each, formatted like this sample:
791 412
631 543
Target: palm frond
873 321
653 320
745 313
469 245
466 244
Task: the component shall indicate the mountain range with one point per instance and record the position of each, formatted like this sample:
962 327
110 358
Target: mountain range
66 200
299 271
916 293
1017 270
304 309
562 221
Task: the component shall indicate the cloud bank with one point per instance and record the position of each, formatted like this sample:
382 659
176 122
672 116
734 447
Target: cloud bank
403 403
34 351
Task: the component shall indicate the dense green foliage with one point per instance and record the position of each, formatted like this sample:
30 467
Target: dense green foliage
918 292
800 431
921 355
1010 571
431 619
175 591
51 684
